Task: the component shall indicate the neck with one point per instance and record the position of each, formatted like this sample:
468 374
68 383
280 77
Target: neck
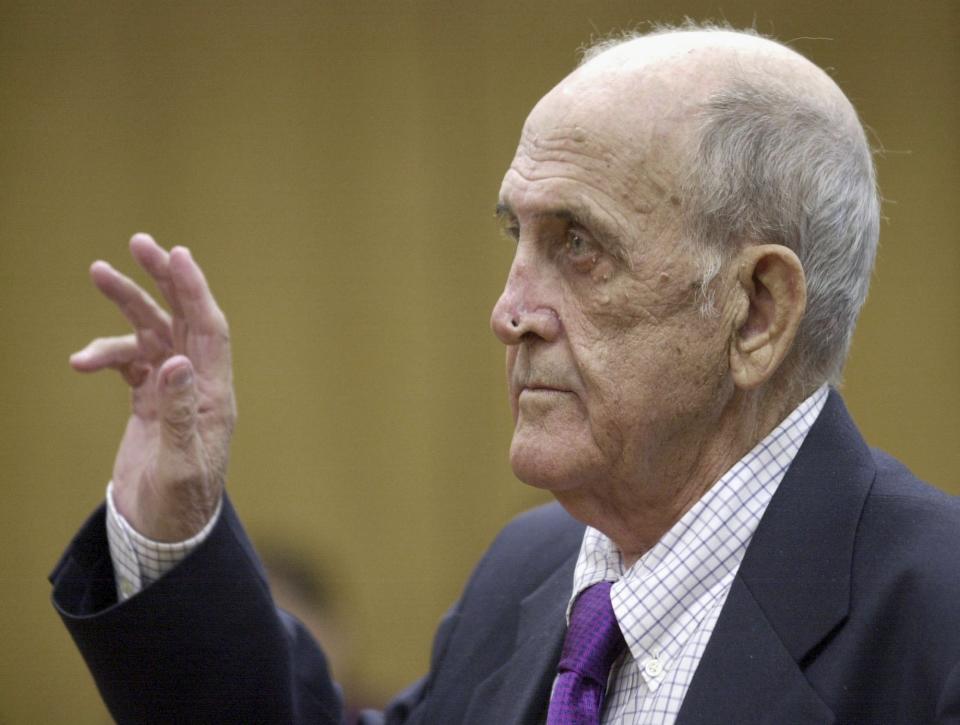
635 511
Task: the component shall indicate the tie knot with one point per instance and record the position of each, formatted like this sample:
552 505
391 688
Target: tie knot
594 640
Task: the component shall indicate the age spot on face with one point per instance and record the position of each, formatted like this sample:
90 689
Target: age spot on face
602 271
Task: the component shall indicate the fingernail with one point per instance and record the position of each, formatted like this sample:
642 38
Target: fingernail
180 377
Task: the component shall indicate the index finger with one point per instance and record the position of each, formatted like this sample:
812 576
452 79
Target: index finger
135 304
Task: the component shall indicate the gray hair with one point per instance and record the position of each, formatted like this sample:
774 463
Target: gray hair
776 165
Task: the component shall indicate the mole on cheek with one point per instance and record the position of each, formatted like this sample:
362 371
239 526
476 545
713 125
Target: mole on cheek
643 209
599 301
602 272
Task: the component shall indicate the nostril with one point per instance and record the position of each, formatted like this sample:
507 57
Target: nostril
514 322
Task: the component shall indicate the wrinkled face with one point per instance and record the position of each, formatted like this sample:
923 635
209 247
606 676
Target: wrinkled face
613 372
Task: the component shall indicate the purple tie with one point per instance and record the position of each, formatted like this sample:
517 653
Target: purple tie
592 644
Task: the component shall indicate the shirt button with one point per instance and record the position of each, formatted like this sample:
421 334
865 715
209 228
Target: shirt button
653 667
126 587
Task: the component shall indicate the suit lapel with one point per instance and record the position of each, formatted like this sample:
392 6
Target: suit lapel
746 676
793 587
518 692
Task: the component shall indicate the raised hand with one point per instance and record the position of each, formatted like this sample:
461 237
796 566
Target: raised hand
171 466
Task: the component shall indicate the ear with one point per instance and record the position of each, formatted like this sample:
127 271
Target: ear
774 290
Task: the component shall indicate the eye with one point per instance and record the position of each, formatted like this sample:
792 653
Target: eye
576 244
579 249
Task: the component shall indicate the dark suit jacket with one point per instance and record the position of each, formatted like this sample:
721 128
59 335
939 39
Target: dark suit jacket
846 609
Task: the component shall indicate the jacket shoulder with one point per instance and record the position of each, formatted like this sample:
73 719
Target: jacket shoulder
909 538
906 509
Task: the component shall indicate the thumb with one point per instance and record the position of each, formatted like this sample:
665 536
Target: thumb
178 405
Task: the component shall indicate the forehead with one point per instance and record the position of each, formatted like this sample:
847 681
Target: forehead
596 145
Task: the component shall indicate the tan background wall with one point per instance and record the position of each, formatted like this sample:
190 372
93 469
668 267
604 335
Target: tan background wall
334 166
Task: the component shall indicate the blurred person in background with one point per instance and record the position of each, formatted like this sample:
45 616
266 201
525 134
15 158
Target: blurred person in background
311 593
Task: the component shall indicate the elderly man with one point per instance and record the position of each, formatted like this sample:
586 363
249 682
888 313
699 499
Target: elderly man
695 220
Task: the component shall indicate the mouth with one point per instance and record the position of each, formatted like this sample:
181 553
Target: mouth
542 389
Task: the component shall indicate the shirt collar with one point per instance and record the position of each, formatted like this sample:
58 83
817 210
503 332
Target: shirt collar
662 599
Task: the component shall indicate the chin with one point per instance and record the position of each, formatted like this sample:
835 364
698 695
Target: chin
551 465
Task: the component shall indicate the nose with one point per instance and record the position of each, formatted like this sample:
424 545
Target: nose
522 312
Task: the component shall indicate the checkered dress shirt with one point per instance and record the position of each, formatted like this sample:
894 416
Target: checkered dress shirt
139 561
668 602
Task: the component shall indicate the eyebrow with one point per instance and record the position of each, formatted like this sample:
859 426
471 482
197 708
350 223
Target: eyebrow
579 216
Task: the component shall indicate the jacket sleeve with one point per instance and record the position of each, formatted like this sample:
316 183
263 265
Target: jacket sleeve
203 644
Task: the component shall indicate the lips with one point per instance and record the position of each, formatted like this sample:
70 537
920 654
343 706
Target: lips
546 377
542 386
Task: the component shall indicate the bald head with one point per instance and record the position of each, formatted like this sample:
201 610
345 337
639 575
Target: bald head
678 71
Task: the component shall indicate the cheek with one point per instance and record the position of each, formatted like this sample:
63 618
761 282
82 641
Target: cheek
639 361
613 301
